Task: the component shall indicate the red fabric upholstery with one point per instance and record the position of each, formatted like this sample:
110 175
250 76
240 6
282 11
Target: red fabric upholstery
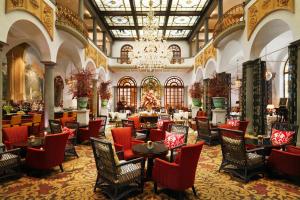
159 134
279 137
51 155
286 162
173 140
91 131
123 141
181 175
136 121
15 134
201 114
240 125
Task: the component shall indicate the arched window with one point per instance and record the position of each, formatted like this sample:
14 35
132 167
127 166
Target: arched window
286 79
176 53
174 89
124 53
127 91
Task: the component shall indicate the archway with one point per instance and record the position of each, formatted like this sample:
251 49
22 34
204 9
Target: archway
210 69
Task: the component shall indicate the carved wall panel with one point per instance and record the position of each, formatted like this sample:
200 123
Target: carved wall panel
97 57
209 52
262 8
38 8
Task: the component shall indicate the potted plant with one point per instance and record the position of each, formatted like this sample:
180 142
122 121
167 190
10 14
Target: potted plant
104 92
218 90
82 87
196 91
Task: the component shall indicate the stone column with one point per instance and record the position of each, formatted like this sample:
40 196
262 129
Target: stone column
206 30
138 96
197 42
249 98
220 9
95 31
95 97
104 43
49 92
2 44
81 9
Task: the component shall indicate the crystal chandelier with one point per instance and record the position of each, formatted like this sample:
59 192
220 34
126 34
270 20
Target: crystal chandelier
150 52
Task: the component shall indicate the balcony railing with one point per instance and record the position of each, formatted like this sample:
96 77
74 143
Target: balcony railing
127 61
233 16
67 19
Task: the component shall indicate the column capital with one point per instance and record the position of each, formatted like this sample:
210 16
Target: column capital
48 63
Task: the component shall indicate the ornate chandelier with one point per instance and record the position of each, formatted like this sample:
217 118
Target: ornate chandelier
150 52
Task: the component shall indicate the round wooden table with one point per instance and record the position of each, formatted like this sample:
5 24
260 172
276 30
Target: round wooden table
158 149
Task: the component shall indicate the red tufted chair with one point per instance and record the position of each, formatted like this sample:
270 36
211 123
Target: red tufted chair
160 133
179 175
51 155
285 162
124 142
91 131
13 135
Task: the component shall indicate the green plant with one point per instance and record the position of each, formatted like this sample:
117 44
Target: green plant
104 90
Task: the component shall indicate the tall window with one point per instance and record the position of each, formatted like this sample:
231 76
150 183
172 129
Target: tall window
176 53
124 53
127 89
286 79
174 89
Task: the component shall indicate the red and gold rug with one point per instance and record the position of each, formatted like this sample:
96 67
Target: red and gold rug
78 180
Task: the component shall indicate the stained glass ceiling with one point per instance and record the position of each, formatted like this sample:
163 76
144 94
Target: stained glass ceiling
126 18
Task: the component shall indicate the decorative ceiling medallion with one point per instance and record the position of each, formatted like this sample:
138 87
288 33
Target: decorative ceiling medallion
156 3
188 3
34 4
182 20
112 3
119 20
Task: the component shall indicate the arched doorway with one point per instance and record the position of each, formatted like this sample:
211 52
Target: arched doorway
127 93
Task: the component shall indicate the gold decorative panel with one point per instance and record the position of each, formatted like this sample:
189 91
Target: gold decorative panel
262 8
208 52
96 56
38 8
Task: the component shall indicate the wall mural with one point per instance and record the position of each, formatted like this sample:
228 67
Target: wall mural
262 8
208 52
151 92
38 8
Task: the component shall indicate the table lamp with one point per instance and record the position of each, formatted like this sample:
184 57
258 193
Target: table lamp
270 108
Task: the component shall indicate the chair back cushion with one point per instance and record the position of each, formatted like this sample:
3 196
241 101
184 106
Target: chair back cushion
122 136
203 126
180 129
279 137
136 120
173 139
94 127
129 123
103 123
55 148
15 134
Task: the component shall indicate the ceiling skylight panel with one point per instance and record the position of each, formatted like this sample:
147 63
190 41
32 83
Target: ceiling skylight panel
142 20
188 5
124 33
177 33
158 5
113 5
119 20
182 20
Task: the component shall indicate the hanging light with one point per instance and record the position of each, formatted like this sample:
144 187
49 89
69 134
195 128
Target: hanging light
151 52
268 74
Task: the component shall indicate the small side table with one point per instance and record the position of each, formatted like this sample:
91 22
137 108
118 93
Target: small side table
157 150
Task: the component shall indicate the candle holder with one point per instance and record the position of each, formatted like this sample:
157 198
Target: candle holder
149 144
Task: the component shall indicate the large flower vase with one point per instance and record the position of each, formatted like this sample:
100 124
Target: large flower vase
82 102
196 102
104 102
219 102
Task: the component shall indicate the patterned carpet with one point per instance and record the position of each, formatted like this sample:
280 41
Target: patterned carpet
78 180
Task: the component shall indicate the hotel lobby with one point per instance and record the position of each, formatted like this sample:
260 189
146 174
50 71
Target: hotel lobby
149 99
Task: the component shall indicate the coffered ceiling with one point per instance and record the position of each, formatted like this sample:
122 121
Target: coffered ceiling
125 18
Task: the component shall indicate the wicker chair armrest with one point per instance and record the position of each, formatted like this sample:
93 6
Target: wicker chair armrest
255 149
13 151
133 161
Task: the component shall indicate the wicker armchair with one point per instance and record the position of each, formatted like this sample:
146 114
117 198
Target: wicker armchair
236 159
205 131
10 162
113 175
103 123
177 129
72 140
136 135
55 126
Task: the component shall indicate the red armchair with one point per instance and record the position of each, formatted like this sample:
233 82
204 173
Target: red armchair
124 142
241 125
91 131
160 133
285 162
13 135
179 175
51 155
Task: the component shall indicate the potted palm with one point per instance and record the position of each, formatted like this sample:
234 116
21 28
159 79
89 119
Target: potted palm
196 93
218 90
82 87
104 92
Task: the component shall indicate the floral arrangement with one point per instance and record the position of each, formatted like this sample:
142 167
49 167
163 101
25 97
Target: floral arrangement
82 84
104 90
149 100
196 90
218 87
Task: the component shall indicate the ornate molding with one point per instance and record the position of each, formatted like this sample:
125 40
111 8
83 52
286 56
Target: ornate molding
262 8
96 56
38 8
208 52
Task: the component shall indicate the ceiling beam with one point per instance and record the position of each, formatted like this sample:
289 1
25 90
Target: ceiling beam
141 27
93 9
143 13
133 39
132 6
167 16
206 11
